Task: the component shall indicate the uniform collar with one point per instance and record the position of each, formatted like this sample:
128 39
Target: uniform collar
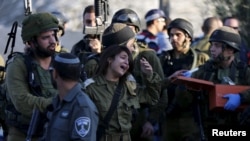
72 93
101 80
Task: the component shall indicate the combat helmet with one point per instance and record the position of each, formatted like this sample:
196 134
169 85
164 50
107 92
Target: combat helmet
36 23
183 25
228 36
127 16
61 19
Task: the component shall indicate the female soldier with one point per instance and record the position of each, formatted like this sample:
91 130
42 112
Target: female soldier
113 83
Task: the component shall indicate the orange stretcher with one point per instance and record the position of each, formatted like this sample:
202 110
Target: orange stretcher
216 91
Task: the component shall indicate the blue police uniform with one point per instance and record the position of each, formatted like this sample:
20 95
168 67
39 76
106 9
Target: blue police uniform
73 118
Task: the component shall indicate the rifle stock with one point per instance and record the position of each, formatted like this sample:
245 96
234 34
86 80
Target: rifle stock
33 124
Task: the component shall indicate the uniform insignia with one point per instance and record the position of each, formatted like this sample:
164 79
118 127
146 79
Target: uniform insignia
10 60
82 126
87 82
65 114
131 78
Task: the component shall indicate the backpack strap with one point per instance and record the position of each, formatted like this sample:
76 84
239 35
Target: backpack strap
33 84
194 59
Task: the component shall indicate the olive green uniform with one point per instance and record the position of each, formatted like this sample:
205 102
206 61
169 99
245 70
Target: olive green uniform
101 92
91 66
21 100
179 123
153 115
239 73
142 52
202 45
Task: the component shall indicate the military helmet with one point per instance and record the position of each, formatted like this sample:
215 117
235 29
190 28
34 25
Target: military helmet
183 25
61 19
127 16
34 24
226 35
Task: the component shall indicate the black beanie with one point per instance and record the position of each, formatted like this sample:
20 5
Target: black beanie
117 34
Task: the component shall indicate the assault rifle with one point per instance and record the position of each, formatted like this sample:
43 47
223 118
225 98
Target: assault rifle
101 13
33 124
27 7
12 34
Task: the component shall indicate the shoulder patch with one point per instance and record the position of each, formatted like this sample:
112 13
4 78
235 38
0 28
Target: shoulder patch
13 56
131 78
88 82
82 126
10 60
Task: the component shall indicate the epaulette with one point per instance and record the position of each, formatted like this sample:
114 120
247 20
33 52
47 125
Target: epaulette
79 98
12 57
93 56
131 78
87 82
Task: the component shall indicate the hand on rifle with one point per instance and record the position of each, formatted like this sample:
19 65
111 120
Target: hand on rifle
233 101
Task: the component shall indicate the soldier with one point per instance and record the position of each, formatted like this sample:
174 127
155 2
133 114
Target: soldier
233 22
28 78
62 26
209 25
90 44
179 123
142 125
80 117
114 89
114 34
131 19
224 68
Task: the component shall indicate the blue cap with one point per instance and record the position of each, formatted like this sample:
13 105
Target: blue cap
154 14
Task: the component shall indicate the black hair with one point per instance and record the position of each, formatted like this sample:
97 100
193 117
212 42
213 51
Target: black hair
111 52
89 9
68 66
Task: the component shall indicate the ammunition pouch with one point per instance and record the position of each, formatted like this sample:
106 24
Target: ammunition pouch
15 119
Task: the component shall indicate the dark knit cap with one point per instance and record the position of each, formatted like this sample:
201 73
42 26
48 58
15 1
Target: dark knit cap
117 34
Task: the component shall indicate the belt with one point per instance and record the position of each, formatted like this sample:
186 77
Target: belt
116 137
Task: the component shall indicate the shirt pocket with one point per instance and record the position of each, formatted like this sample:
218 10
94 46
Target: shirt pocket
129 106
60 128
103 107
61 124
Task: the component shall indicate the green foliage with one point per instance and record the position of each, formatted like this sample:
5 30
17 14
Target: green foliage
237 8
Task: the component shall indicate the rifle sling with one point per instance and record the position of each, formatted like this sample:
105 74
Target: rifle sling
112 108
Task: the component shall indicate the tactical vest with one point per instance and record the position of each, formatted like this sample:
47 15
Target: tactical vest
237 72
171 65
40 84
